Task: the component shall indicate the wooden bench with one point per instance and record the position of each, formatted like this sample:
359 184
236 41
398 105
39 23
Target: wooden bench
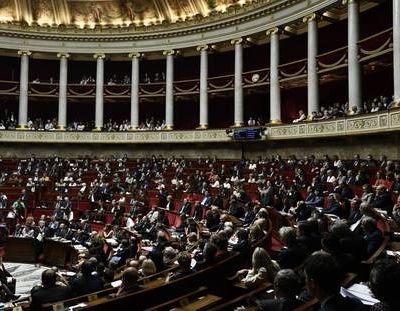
213 277
198 300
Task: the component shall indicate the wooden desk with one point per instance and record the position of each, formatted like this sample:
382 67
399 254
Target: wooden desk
56 253
24 250
20 250
200 303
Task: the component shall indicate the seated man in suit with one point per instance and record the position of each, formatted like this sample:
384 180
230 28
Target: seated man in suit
334 205
49 291
207 200
372 235
287 286
323 278
7 284
185 208
383 200
85 282
383 281
129 282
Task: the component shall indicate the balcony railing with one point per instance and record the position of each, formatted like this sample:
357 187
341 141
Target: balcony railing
380 122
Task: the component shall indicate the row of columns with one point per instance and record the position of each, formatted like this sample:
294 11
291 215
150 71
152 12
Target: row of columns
354 76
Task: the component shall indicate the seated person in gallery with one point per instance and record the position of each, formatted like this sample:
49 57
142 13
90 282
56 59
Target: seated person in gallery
302 117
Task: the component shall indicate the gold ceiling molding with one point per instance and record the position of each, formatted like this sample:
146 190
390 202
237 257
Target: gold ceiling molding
235 15
115 13
62 20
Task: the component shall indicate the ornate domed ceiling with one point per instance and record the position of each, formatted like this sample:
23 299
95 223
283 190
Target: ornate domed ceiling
111 13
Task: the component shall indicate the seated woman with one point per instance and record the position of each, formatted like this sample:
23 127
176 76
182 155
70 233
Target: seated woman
263 270
147 268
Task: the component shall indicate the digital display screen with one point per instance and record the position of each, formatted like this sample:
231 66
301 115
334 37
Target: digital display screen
247 134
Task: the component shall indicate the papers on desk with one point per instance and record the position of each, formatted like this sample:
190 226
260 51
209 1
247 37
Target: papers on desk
355 225
112 242
116 283
80 249
68 273
382 212
80 305
393 253
147 248
360 292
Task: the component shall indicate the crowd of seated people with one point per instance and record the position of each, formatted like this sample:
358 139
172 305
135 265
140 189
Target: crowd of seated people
151 124
80 126
158 77
39 124
125 80
7 120
255 122
113 126
341 209
338 110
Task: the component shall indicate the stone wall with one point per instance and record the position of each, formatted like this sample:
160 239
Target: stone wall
345 147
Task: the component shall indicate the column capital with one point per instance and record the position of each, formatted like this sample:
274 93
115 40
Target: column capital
170 52
63 55
237 41
24 52
344 2
135 55
310 18
272 31
99 56
201 48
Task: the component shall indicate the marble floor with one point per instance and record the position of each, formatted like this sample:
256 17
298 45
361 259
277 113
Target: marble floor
27 275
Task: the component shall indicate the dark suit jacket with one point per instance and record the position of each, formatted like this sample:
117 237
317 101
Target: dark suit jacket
340 303
4 274
384 202
82 285
207 201
334 209
374 240
170 205
292 257
41 295
185 209
280 304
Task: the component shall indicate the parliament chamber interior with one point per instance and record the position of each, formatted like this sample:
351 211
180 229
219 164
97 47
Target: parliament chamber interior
200 155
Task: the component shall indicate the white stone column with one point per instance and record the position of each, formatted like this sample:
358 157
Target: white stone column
203 124
275 92
238 91
354 67
396 51
135 90
23 89
99 114
169 90
62 91
312 66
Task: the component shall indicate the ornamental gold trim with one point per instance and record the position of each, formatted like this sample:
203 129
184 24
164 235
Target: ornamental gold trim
99 56
135 55
272 31
309 18
63 55
24 52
